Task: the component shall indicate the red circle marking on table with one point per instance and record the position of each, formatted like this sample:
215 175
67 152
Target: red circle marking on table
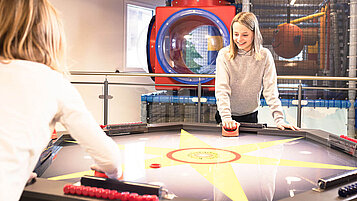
169 155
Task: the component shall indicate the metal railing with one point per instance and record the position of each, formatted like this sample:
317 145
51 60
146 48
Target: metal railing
105 96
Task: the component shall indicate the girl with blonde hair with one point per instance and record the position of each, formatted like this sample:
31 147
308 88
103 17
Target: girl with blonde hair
245 69
36 95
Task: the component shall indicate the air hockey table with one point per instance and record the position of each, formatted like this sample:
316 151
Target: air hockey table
198 163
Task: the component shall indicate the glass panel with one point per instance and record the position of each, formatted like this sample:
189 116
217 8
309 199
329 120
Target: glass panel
138 19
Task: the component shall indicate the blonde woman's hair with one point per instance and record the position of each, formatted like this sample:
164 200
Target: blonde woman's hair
250 21
32 30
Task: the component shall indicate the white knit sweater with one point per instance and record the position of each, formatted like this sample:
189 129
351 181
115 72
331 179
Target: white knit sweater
239 83
33 99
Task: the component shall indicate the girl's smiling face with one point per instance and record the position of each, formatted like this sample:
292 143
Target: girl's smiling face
242 36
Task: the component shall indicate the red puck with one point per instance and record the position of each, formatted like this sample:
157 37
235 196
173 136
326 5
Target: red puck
66 188
155 165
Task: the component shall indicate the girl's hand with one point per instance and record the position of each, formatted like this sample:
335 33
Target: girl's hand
292 127
230 124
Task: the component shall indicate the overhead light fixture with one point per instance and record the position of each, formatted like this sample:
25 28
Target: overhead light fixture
292 2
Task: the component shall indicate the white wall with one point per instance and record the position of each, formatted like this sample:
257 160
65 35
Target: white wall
95 31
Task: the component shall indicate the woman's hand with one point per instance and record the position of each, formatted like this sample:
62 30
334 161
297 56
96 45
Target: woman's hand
284 125
114 175
230 124
31 179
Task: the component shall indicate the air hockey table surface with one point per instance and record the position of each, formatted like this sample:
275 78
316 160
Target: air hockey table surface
197 163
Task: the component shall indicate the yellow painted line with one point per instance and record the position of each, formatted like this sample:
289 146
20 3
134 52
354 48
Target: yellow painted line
226 182
189 141
222 177
242 149
290 163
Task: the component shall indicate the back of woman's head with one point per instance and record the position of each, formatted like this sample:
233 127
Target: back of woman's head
31 30
250 21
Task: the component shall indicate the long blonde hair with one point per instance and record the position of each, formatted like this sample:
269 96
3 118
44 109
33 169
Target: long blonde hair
32 30
250 21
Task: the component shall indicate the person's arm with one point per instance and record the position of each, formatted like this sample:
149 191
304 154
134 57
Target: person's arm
79 122
222 88
270 90
271 93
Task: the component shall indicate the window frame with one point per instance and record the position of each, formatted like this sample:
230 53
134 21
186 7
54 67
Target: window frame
140 4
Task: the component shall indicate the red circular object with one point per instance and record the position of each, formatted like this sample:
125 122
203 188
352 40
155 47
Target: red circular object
99 192
72 190
288 40
105 193
148 197
92 191
170 156
152 198
85 190
125 196
155 165
118 196
66 188
145 198
133 196
112 195
79 190
140 198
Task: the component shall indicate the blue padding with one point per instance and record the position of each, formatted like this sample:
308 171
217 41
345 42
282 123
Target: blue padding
143 97
212 100
314 103
162 99
175 99
329 103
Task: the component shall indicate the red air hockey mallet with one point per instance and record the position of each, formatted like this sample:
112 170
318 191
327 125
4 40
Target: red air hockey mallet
231 132
103 175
